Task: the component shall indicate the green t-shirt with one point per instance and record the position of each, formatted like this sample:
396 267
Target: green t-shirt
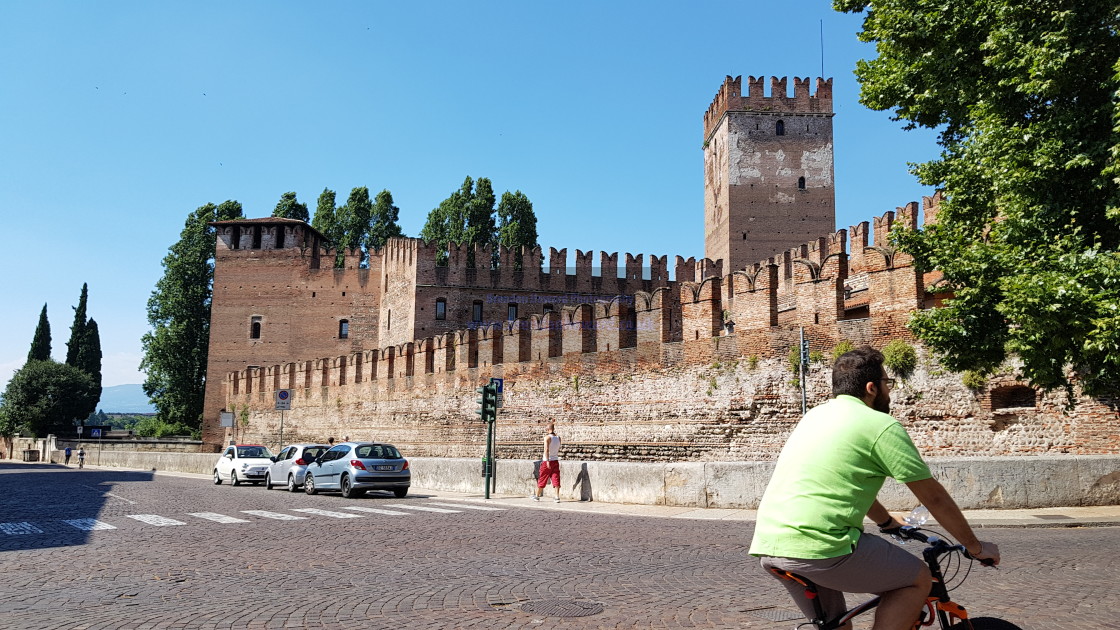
827 477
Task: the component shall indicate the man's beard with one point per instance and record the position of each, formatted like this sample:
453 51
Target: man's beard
882 402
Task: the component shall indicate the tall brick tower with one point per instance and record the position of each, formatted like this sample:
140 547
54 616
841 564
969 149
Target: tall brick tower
768 175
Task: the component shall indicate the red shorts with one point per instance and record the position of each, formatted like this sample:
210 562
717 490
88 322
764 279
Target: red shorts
549 470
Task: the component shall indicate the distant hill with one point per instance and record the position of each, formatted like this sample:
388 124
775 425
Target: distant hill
125 399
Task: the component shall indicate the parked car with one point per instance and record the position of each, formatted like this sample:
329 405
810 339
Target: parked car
355 467
291 464
243 462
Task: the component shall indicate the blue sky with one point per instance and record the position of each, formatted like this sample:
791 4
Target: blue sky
119 118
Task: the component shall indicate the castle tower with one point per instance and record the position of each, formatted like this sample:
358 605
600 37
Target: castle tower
768 174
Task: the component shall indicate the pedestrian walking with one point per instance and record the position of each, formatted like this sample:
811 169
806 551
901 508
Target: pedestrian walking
550 464
66 456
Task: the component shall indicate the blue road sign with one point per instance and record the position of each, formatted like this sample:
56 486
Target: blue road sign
95 433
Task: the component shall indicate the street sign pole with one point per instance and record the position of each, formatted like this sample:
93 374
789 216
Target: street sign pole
283 403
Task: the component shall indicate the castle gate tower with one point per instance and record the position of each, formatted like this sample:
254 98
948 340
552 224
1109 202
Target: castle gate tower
768 175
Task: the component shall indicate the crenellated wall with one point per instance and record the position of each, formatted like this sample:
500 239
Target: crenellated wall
690 369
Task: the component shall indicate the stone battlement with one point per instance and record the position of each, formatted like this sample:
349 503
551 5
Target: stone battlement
730 97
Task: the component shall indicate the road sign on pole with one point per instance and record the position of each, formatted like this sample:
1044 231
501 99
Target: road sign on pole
283 399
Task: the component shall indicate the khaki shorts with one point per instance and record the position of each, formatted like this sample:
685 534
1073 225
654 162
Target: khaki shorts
876 566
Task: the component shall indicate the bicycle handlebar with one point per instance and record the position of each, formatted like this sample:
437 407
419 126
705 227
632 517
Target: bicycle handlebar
909 532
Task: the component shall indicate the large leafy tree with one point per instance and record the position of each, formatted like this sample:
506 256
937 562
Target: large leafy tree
290 208
45 397
327 222
466 218
383 224
41 344
1026 98
354 219
360 224
517 224
175 350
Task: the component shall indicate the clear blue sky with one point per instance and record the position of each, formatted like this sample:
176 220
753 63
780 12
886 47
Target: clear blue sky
119 118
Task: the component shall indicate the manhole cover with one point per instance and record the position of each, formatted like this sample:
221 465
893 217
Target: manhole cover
562 608
773 613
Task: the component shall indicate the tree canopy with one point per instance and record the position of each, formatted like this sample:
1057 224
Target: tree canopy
41 343
46 397
1026 99
289 208
177 346
467 217
361 224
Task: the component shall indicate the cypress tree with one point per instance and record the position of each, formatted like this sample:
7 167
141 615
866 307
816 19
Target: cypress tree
77 330
89 361
41 344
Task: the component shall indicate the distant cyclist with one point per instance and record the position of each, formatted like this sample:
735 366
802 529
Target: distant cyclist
81 457
810 519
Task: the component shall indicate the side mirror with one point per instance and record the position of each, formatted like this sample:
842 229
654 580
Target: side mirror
272 459
229 455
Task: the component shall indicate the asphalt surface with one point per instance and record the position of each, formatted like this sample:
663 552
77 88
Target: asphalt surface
109 548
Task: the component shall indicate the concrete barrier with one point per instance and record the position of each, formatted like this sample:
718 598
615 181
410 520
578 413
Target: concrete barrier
975 482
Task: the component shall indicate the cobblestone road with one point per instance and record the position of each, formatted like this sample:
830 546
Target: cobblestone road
117 549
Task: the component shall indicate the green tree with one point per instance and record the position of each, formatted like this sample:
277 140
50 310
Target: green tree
1026 98
41 344
383 225
89 360
290 208
517 224
77 329
175 349
45 397
354 220
326 221
465 218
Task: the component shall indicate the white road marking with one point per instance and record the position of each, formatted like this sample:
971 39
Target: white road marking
420 507
362 508
217 518
467 506
16 529
110 494
88 524
274 515
327 513
155 519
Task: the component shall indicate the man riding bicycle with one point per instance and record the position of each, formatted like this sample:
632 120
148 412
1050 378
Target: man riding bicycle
81 457
810 519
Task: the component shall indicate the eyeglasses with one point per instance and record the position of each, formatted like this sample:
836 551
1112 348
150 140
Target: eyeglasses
889 381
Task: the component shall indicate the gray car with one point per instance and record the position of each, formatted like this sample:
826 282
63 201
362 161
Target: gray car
290 465
355 467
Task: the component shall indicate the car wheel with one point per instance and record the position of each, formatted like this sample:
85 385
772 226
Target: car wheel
217 478
309 484
348 490
292 483
268 481
233 480
400 492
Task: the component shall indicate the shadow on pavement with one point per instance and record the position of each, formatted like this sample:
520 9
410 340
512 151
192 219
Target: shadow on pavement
51 505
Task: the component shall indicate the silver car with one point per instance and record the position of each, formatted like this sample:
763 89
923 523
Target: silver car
290 465
355 467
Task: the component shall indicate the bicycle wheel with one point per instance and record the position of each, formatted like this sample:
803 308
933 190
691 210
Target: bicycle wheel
984 623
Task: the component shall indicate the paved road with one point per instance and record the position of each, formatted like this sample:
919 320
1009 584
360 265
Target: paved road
115 549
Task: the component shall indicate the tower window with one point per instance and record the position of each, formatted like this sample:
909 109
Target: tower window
548 308
780 128
257 237
801 183
511 311
255 327
343 329
441 308
280 237
476 311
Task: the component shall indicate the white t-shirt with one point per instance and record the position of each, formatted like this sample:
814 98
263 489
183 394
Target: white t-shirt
553 448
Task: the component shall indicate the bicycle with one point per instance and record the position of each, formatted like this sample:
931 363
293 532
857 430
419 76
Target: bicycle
81 461
949 614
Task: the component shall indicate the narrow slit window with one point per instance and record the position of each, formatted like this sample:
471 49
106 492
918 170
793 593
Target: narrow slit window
343 329
441 308
780 128
255 327
476 311
801 183
511 311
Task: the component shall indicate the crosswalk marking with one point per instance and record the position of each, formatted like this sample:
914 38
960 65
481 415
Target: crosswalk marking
467 506
327 513
420 507
218 518
155 519
88 524
15 529
274 515
362 508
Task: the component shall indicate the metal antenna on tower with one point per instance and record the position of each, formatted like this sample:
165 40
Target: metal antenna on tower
822 48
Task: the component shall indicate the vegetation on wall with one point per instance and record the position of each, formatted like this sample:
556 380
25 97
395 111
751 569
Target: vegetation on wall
1026 99
361 224
468 217
900 357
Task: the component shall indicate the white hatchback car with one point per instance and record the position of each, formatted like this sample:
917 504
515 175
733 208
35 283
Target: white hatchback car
243 462
289 467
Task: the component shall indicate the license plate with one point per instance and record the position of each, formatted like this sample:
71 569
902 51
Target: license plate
390 467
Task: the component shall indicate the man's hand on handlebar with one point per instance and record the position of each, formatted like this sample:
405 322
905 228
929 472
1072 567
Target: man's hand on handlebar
987 554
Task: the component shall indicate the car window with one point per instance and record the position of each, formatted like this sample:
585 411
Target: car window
313 452
377 451
291 452
253 451
229 451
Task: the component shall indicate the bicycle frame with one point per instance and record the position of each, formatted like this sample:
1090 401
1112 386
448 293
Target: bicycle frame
938 604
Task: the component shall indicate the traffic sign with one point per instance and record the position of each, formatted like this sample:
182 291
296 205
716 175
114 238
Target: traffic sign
283 399
95 433
497 383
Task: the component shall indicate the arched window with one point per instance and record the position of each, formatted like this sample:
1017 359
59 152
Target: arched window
780 128
255 327
343 329
441 308
801 183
